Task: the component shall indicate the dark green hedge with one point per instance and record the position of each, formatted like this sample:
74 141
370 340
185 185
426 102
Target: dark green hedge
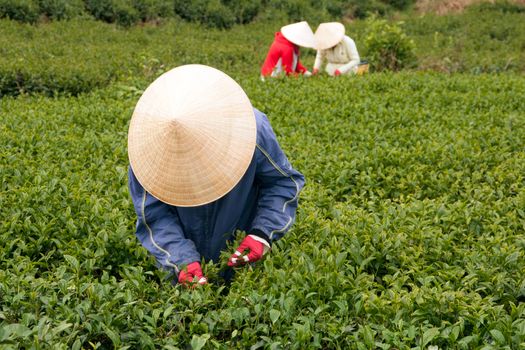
214 13
19 10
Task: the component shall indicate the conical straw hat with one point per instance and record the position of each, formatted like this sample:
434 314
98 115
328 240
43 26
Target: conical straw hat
299 33
192 136
328 35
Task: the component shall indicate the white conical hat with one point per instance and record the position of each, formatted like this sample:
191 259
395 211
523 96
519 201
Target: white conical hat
328 35
299 33
192 136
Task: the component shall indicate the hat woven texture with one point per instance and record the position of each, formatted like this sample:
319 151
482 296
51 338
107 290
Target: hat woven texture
192 136
328 35
299 33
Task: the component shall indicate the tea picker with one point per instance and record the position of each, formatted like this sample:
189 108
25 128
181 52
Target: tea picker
203 164
283 55
338 49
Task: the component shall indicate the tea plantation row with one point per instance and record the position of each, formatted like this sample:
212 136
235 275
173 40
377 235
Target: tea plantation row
410 230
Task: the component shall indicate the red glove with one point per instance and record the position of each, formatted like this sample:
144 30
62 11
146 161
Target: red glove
256 249
188 274
337 73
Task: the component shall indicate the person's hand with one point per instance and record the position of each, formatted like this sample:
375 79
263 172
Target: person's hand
256 248
337 73
192 273
315 71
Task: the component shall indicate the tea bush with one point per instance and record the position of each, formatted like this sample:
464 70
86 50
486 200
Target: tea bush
215 13
409 231
400 4
504 6
320 11
363 8
388 47
119 11
61 9
244 11
19 10
481 39
153 9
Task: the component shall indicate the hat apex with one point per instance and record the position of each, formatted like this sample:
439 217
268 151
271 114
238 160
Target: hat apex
299 33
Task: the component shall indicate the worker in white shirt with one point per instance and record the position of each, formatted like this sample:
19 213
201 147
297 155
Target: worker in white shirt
336 48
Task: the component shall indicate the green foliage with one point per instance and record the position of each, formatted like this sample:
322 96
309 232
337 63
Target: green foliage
218 14
19 10
388 47
399 4
190 10
215 13
365 8
153 9
124 13
61 9
32 65
119 11
318 11
211 13
296 10
502 6
409 231
476 42
100 9
481 39
244 11
39 67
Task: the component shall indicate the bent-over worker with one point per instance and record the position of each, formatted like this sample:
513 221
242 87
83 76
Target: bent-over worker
338 49
283 55
203 164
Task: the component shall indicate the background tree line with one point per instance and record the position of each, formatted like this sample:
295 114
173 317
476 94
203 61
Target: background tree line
214 13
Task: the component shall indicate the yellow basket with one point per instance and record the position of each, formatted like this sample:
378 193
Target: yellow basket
362 68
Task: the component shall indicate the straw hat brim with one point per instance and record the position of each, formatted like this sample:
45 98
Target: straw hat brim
192 136
328 35
299 33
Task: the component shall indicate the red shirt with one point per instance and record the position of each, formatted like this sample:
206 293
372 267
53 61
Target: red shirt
282 49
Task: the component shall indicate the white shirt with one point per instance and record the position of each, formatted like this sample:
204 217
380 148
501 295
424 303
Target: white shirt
343 57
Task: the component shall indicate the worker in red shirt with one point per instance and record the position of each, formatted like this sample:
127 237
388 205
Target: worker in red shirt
284 51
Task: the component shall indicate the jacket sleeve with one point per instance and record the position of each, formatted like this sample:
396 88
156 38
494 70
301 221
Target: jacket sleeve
271 60
159 229
318 59
352 52
279 186
300 68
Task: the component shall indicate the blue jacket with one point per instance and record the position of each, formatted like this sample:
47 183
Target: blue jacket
262 203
